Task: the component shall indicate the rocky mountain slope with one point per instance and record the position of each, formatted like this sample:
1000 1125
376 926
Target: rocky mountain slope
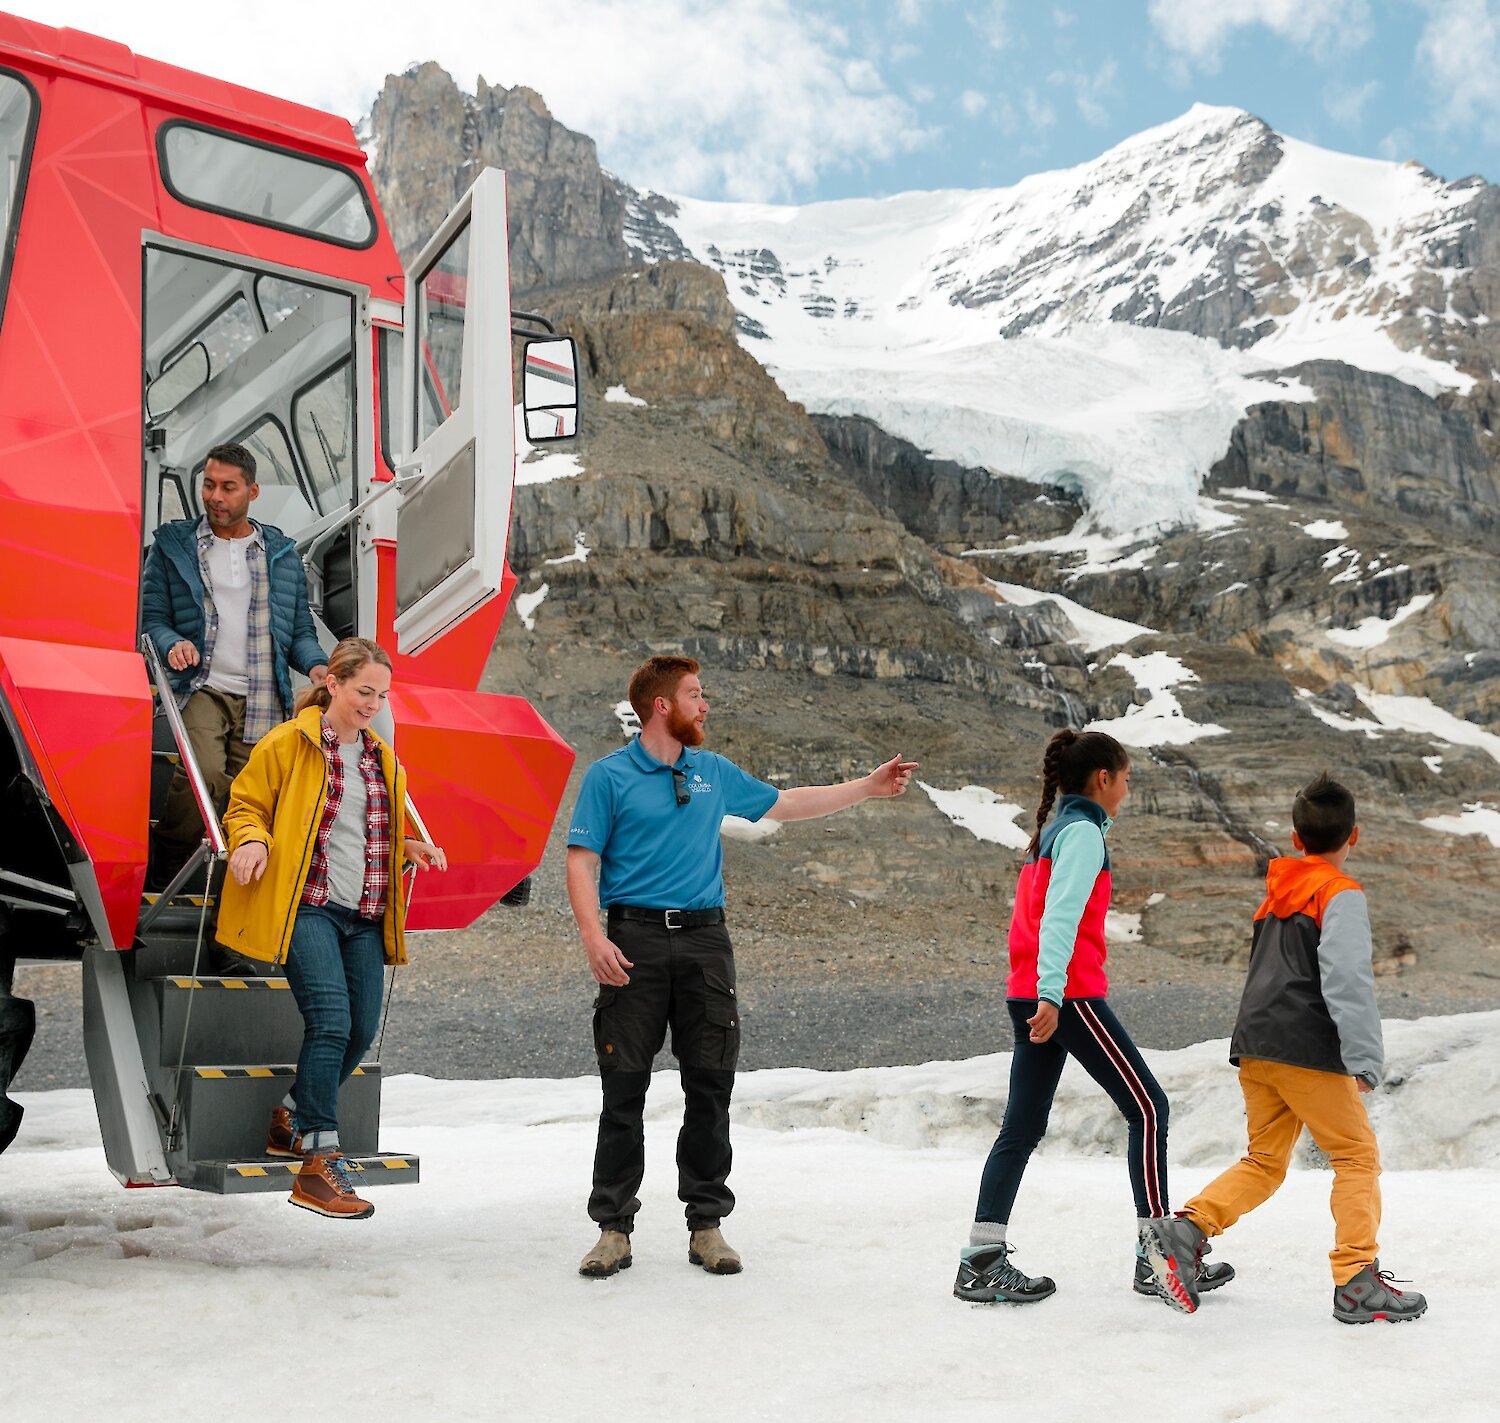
1329 598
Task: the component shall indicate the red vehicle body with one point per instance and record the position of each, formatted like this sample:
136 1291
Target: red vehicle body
164 233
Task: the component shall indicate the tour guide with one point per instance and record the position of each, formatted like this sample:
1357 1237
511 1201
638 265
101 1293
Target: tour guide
647 823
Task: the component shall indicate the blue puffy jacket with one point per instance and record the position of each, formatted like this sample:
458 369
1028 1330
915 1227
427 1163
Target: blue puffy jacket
172 603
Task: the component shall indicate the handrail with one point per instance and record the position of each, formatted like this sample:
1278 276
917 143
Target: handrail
213 831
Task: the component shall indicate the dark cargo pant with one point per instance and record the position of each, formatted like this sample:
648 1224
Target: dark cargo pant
682 979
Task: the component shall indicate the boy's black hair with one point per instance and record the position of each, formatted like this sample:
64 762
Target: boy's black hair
1070 758
1323 815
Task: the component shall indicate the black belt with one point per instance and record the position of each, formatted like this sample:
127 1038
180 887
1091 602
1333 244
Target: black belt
668 918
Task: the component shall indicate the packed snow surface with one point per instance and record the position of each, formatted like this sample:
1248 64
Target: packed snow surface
528 603
618 395
459 1298
1016 329
1476 819
538 464
1160 720
1372 632
1094 630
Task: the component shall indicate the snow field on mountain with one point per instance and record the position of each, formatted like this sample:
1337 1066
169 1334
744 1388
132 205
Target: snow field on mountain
459 1298
898 309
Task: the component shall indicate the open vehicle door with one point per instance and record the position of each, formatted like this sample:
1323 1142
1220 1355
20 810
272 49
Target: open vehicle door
454 517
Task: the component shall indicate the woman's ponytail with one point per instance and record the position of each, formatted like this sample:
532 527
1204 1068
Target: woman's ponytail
348 657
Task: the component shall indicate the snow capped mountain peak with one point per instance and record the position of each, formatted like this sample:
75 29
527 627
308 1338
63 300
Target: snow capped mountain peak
1267 250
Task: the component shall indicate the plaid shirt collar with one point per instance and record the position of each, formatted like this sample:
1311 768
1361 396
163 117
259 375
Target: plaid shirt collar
377 881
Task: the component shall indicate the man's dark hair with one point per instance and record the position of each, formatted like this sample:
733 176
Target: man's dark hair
657 677
237 455
1323 815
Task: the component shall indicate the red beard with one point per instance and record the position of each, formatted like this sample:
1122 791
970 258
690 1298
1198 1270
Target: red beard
685 729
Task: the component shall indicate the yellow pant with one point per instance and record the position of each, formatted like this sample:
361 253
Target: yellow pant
1279 1102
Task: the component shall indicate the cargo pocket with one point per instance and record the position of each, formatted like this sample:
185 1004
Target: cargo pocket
604 1046
721 1014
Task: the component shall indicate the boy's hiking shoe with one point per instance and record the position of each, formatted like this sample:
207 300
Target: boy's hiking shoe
986 1276
325 1184
610 1255
709 1249
283 1139
1372 1295
1172 1248
1210 1277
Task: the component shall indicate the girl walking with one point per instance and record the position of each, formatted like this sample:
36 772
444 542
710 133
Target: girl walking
317 848
1056 997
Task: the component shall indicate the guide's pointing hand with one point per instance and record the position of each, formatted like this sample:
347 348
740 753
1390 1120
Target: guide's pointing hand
892 778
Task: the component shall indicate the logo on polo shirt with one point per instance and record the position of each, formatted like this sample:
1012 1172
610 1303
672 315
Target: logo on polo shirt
698 786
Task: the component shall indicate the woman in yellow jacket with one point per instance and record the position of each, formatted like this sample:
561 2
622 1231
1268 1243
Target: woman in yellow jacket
316 828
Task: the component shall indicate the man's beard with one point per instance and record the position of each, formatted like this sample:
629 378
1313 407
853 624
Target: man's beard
685 729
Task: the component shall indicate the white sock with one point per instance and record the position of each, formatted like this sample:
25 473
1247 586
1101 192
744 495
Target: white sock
986 1232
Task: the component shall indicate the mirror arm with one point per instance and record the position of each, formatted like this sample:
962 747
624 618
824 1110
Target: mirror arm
533 319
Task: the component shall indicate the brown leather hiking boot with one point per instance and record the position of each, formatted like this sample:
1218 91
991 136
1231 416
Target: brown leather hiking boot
611 1253
709 1249
283 1140
325 1184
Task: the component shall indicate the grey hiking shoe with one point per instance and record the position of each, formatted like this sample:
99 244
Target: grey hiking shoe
1372 1295
709 1249
1210 1277
986 1276
1172 1247
611 1254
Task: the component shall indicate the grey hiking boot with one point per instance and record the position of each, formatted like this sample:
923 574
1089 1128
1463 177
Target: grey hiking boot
709 1248
611 1254
986 1276
1372 1295
1172 1247
1210 1277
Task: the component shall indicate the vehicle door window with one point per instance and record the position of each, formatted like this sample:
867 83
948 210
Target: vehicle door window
323 419
17 128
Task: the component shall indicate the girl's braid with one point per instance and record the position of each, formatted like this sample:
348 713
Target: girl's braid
1051 769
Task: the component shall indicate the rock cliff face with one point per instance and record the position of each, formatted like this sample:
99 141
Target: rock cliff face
851 597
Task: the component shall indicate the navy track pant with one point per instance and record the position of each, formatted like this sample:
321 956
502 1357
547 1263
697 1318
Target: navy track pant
1088 1030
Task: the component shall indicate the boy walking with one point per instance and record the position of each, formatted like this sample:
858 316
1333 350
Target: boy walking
1307 1043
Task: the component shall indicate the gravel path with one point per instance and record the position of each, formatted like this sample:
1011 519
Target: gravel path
446 1022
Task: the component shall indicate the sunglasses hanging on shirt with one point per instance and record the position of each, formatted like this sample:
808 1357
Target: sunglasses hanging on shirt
680 786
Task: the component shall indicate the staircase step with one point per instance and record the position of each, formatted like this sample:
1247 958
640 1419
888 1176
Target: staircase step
232 1020
240 1177
226 1110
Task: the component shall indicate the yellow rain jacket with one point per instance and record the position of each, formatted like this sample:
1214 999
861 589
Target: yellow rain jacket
278 799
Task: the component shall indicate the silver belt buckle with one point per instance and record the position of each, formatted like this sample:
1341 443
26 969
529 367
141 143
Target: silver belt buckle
672 918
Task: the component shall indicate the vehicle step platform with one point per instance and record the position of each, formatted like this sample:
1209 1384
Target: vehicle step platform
234 1178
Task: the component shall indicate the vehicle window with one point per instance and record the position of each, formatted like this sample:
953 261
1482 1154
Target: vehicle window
323 420
279 297
17 124
226 337
443 297
269 186
391 371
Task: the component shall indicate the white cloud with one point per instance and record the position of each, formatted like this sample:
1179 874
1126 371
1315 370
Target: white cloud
1397 145
988 20
972 102
751 99
1199 31
1346 104
1459 57
1090 90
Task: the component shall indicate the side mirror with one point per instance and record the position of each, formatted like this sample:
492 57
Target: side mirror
177 381
549 390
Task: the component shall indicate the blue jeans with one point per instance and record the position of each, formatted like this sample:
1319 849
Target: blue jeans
336 967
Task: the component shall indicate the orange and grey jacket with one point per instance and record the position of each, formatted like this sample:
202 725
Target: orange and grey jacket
1309 998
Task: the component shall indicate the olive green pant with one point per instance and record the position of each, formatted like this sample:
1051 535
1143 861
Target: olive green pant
215 724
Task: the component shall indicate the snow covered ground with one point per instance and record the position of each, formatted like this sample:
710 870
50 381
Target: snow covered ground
459 1300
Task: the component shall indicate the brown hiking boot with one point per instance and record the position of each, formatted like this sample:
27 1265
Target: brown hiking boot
709 1249
325 1184
283 1140
611 1253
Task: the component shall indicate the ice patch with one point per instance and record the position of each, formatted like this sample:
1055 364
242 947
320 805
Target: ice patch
580 554
618 395
1094 630
528 603
1420 716
1161 721
1121 928
540 465
1373 631
1325 529
630 723
736 827
1477 819
984 814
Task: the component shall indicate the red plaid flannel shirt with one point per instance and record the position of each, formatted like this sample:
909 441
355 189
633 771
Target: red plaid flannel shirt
377 827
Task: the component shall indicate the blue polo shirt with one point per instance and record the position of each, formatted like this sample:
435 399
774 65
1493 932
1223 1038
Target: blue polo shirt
652 851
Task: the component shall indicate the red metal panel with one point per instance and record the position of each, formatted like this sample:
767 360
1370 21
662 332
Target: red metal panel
487 775
84 711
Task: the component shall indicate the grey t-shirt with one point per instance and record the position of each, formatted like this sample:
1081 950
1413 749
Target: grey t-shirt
346 840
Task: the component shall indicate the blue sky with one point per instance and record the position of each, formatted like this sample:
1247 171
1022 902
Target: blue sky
794 100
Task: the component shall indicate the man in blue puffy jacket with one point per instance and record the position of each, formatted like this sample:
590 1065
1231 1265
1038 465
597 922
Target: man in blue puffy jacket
224 599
